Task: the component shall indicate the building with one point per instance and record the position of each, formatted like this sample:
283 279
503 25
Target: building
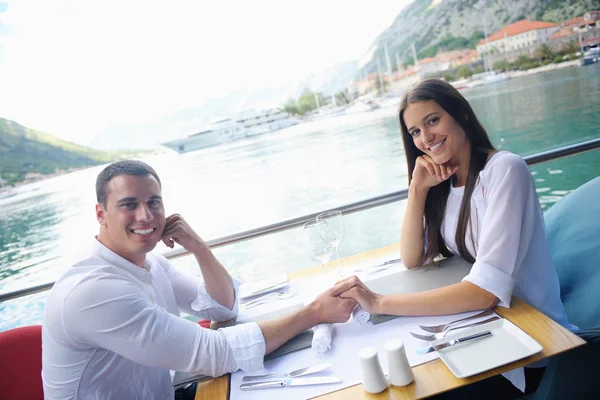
430 66
520 37
456 58
584 31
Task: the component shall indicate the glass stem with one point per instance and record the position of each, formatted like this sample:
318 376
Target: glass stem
339 262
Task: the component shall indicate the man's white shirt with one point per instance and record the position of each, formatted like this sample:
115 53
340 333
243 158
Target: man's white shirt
112 330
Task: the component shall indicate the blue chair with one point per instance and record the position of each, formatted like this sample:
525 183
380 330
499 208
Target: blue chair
573 229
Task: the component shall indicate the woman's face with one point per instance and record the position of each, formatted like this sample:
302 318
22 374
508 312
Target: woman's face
436 133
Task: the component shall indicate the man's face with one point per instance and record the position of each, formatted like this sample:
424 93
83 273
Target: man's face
133 219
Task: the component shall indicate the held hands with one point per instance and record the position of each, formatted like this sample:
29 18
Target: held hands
178 231
428 174
359 292
329 307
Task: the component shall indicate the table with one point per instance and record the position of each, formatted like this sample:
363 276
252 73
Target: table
433 377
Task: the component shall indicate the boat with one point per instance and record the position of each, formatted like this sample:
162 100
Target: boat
591 56
244 124
259 122
219 132
362 106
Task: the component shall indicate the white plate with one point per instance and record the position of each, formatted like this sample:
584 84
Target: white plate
508 343
251 289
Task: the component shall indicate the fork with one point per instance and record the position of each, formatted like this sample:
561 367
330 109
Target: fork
435 336
443 327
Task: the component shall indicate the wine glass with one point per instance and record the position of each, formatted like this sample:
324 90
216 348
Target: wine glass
315 245
332 231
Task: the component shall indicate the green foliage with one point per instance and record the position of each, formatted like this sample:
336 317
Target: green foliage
307 102
291 107
24 150
521 60
478 69
501 64
544 52
449 42
463 72
558 59
571 48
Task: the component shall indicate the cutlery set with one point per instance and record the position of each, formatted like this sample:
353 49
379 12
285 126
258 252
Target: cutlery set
294 378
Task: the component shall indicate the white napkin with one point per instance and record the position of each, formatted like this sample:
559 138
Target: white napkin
322 337
360 316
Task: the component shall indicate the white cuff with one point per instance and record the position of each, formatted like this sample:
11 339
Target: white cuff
214 310
493 280
248 345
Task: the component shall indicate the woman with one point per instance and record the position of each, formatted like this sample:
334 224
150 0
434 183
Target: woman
466 198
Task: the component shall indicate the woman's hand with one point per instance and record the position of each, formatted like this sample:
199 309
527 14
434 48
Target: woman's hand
368 300
428 174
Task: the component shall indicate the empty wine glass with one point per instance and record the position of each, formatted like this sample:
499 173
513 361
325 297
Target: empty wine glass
332 231
315 245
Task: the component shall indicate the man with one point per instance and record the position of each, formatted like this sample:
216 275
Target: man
111 327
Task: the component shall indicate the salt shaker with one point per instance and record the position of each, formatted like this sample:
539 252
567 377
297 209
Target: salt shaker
399 371
373 379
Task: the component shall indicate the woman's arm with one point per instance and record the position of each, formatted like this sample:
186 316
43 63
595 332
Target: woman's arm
426 175
412 242
452 299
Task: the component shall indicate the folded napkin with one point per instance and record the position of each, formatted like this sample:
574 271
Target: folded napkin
360 316
322 337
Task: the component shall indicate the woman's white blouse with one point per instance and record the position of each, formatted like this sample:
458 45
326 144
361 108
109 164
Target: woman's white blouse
507 237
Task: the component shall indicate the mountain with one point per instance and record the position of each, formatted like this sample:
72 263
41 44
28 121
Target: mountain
24 150
427 23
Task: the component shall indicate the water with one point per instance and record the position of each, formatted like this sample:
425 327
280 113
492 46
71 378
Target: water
300 170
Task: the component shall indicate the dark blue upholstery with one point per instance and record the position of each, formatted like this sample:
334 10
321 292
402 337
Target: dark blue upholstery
573 227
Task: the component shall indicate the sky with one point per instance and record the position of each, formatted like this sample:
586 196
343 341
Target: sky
73 67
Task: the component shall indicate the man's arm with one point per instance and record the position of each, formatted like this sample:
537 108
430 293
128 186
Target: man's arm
217 280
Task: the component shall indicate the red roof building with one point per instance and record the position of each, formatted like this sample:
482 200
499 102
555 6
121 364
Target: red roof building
518 35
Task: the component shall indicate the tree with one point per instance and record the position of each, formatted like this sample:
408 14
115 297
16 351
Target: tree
307 102
291 107
463 72
501 64
571 48
522 59
544 52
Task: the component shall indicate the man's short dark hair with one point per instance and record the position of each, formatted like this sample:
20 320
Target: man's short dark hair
122 167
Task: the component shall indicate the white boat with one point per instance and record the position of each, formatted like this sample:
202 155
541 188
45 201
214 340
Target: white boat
247 123
258 122
362 106
591 56
220 132
494 78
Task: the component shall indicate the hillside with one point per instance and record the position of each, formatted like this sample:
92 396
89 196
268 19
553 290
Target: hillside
434 25
24 150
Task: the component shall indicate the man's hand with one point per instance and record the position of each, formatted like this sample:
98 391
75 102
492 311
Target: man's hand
359 292
329 307
178 231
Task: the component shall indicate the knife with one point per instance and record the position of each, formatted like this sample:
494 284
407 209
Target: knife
291 382
449 343
293 374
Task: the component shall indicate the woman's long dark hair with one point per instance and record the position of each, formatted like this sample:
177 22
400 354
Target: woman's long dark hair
458 107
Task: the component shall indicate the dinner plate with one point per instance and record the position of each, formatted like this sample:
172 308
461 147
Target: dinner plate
508 343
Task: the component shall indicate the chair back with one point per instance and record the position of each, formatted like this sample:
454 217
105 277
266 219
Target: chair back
21 363
573 230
